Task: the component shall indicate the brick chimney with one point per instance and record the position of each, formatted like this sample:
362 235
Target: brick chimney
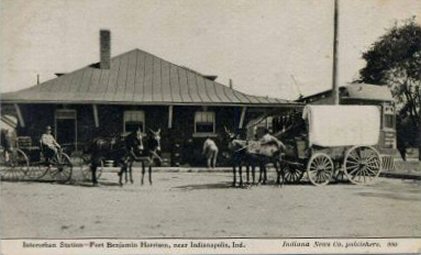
105 49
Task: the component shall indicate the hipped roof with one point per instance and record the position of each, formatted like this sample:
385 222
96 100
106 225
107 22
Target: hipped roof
136 77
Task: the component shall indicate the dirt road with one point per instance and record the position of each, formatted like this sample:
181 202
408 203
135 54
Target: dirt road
203 204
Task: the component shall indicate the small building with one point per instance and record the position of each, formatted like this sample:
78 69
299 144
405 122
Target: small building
131 90
366 94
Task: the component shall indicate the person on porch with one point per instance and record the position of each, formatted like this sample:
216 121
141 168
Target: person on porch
210 150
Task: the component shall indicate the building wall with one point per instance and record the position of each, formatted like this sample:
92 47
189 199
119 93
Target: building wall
110 118
36 118
182 134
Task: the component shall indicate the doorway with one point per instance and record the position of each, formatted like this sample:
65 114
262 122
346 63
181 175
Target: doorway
66 128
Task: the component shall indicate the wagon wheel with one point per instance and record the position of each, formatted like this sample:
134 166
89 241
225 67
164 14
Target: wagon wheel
85 168
362 164
61 169
16 167
292 174
320 169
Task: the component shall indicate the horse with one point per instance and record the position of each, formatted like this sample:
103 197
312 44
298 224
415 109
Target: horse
121 149
253 153
239 157
125 150
149 154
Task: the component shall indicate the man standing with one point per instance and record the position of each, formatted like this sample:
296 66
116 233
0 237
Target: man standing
49 144
211 151
7 143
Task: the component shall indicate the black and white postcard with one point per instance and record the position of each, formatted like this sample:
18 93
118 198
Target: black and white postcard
210 127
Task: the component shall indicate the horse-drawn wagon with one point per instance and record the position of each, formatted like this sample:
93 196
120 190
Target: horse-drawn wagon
335 142
27 162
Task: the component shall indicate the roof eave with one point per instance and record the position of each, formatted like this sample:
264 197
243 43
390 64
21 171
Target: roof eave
280 104
368 99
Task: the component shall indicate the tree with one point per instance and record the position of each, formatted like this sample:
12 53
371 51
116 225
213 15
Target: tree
395 61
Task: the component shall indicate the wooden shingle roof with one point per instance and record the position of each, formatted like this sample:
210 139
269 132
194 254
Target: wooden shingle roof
135 77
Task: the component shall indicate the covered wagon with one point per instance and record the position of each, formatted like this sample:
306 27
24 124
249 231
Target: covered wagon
337 141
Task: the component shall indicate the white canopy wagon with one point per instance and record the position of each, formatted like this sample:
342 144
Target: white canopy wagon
339 142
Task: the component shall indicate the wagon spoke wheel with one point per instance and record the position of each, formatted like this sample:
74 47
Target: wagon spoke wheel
85 168
15 168
61 169
292 174
362 164
320 169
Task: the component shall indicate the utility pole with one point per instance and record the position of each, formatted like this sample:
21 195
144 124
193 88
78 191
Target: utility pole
335 86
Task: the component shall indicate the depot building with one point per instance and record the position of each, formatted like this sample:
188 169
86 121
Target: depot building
135 89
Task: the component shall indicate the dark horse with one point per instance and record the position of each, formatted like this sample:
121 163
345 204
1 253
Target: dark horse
240 157
124 150
252 154
149 155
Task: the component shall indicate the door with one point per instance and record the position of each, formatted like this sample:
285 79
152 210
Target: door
66 129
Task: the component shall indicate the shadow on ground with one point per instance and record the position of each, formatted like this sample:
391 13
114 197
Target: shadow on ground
389 195
222 185
228 185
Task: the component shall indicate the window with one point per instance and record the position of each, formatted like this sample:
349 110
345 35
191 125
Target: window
134 120
204 122
62 114
389 121
266 123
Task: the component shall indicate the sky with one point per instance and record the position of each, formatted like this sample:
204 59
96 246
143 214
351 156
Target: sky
269 48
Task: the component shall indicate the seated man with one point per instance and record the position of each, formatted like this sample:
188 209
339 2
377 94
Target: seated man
49 144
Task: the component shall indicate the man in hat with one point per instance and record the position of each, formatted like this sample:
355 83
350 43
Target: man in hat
49 144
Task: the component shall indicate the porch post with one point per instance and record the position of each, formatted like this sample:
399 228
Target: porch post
243 115
95 110
170 116
19 113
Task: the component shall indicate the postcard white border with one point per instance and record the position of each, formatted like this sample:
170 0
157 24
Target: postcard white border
213 246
